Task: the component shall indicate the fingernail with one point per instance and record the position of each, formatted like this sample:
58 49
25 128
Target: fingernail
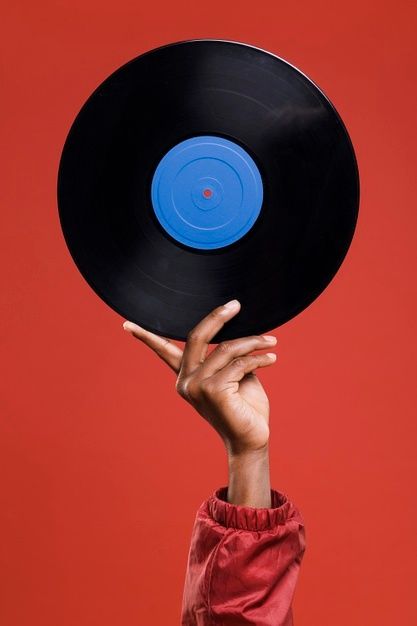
272 356
233 304
270 338
130 326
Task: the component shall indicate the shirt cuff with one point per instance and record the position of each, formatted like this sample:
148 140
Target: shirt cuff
247 517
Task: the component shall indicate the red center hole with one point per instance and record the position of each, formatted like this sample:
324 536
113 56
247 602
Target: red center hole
207 193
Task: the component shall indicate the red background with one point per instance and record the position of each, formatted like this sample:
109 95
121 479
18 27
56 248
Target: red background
102 466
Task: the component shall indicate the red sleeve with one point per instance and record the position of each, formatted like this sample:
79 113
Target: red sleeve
243 563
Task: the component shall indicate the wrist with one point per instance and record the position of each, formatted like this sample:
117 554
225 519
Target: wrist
242 450
247 455
249 480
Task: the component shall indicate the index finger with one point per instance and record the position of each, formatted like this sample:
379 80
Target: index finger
198 339
163 347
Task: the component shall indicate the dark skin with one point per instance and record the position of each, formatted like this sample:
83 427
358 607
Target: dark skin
223 387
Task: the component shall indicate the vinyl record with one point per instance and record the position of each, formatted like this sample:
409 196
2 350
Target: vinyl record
204 171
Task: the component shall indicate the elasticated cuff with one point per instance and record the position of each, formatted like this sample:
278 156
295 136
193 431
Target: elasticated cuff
247 517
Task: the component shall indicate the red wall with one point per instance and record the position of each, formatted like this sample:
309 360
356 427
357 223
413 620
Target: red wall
102 466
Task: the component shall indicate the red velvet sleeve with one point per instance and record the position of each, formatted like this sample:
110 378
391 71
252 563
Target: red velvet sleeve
243 563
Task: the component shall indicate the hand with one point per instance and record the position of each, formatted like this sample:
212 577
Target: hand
222 385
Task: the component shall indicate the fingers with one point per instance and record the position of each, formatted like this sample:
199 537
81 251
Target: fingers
237 369
226 351
199 338
163 347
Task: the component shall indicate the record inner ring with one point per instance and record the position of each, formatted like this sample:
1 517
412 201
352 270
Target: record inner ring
207 192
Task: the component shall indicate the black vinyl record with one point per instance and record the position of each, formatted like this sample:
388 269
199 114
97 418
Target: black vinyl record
240 96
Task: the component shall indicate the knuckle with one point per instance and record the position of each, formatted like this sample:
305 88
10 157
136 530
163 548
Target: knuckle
239 363
188 388
224 347
181 387
215 314
193 336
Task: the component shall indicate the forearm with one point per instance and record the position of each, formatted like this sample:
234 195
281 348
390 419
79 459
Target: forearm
249 478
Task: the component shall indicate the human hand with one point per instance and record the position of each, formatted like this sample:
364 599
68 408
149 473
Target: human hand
222 385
